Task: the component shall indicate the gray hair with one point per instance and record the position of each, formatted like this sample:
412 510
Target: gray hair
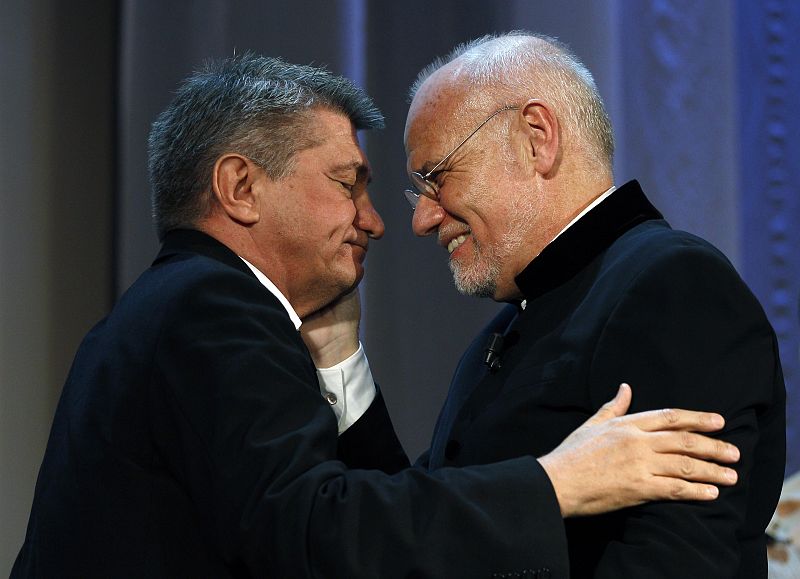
523 64
252 105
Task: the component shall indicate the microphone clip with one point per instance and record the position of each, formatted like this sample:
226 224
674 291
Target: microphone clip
493 352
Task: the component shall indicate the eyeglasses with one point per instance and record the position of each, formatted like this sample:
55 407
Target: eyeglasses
424 185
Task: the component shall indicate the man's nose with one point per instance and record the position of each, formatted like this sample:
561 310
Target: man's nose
368 219
428 215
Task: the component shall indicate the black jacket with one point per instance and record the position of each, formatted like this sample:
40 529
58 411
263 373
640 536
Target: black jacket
620 296
191 440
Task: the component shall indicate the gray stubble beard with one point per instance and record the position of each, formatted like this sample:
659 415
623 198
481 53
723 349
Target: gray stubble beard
484 284
475 283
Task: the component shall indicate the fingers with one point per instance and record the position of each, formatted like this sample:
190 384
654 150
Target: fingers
615 460
614 408
676 466
672 489
685 478
676 419
694 445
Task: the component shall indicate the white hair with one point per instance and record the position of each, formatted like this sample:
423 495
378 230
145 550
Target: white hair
523 65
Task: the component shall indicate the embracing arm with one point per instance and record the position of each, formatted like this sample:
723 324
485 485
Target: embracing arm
641 457
612 462
243 430
368 439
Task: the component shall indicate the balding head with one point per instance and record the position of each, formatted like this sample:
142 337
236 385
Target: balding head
507 141
495 71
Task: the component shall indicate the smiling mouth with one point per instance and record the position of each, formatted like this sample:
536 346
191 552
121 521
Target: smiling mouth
454 243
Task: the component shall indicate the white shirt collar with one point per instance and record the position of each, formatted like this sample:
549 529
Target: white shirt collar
276 292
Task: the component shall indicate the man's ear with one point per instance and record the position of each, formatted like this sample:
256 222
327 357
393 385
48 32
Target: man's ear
234 183
542 135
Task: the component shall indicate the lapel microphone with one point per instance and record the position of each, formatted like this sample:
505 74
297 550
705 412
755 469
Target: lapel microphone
492 354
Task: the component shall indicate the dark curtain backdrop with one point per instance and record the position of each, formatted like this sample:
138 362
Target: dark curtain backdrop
57 63
702 95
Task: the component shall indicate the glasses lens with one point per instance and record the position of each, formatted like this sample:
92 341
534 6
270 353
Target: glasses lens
424 186
412 197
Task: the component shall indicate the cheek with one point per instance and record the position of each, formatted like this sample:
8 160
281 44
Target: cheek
330 219
482 210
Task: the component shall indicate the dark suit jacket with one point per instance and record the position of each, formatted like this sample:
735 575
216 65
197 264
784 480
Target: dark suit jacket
191 440
622 297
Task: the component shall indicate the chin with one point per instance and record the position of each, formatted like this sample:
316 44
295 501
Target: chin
357 275
475 280
350 280
485 290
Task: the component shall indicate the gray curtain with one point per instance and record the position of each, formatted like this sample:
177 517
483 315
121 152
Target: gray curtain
57 63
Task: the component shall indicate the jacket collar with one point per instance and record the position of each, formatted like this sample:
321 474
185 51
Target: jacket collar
180 241
592 234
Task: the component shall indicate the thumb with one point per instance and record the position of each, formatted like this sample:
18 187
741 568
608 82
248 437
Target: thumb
618 406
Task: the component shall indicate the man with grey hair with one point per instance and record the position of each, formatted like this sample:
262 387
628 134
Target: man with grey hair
509 150
193 438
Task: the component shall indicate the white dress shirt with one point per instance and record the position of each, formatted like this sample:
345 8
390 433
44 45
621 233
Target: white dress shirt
348 387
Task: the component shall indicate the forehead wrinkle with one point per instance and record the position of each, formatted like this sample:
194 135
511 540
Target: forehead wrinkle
452 120
444 110
459 138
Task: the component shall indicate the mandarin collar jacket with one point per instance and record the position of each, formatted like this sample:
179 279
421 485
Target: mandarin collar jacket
622 297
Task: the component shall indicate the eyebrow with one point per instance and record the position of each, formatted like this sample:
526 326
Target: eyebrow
426 167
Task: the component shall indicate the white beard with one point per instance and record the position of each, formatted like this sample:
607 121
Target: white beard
479 276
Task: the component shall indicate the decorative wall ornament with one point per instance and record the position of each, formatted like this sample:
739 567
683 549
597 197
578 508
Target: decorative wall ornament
769 135
677 72
710 92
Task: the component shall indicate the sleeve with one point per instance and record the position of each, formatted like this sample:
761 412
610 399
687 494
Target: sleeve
689 334
240 421
371 443
352 388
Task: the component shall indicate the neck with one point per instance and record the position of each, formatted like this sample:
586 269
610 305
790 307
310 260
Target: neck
560 206
238 238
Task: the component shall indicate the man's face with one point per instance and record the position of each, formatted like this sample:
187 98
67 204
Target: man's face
485 209
320 216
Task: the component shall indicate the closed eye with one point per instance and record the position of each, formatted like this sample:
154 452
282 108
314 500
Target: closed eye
438 177
348 187
344 184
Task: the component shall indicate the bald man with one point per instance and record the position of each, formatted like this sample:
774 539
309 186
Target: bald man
510 154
